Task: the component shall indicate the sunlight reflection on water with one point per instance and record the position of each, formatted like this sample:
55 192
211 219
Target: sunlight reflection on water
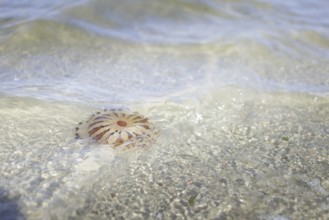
238 90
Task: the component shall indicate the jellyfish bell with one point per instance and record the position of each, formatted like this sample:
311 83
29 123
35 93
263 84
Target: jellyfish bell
118 128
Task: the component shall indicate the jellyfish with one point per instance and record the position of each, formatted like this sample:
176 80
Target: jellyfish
118 128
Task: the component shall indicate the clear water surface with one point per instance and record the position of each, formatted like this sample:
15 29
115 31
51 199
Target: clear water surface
238 89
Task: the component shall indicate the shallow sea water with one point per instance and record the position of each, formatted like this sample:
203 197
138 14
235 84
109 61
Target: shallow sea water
239 91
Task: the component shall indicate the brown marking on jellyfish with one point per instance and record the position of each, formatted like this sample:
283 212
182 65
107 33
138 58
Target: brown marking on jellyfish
144 120
106 135
146 127
100 130
94 123
99 136
138 117
118 142
94 130
122 123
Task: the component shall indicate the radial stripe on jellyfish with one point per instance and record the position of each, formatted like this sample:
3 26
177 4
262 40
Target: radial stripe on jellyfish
118 128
